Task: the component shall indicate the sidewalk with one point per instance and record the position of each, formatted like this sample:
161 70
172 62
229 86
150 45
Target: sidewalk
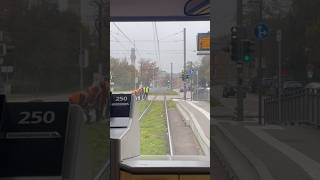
285 152
184 141
202 119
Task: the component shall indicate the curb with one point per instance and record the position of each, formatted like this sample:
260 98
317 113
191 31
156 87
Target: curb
245 165
198 132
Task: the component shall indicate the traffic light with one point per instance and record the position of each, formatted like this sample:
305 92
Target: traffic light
182 75
247 51
234 44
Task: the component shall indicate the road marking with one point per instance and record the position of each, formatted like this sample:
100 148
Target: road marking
207 114
309 165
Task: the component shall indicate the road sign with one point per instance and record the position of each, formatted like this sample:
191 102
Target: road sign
203 42
191 71
261 31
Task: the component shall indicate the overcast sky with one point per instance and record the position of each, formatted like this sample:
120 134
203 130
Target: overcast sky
170 35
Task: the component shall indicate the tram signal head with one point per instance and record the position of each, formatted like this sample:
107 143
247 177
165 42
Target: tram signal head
234 50
247 47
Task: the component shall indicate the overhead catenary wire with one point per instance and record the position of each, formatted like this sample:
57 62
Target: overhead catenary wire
124 48
170 35
125 35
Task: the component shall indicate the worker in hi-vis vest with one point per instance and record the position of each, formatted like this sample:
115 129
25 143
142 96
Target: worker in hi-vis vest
146 92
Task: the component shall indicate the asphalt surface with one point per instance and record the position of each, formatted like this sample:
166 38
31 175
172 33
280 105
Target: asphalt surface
183 139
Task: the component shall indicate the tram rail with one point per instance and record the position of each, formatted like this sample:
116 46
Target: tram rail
168 126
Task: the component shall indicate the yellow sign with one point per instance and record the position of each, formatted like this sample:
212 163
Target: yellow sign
203 41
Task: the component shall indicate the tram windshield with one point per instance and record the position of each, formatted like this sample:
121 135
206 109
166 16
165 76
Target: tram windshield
161 65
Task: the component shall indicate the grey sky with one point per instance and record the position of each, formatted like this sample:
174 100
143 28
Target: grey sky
171 47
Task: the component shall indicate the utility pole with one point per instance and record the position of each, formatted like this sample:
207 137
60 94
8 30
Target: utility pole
171 78
260 73
191 82
100 37
154 77
141 72
197 90
239 63
184 64
81 60
99 24
133 63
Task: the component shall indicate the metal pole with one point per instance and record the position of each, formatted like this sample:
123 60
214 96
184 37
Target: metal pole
191 83
154 77
239 65
100 38
279 38
197 91
81 61
260 74
135 76
184 64
171 78
133 62
141 73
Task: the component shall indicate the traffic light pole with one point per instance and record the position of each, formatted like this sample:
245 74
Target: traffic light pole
184 64
191 84
260 74
239 64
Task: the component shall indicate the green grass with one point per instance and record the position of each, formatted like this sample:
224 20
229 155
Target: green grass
168 93
153 131
171 104
141 106
97 134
